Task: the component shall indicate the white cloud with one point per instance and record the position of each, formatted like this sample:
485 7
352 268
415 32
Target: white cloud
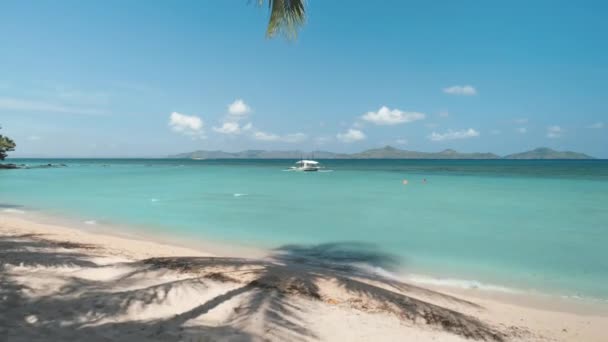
351 135
228 128
387 116
596 125
233 128
294 137
451 135
27 105
521 130
237 111
401 141
288 138
238 108
444 114
465 90
263 136
33 138
554 132
521 121
190 125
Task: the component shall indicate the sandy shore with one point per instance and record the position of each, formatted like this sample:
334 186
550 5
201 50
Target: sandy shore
59 284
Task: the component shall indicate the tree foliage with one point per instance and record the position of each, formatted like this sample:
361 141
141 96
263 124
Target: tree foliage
6 145
286 17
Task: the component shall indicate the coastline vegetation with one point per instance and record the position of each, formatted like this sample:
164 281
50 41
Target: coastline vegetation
6 145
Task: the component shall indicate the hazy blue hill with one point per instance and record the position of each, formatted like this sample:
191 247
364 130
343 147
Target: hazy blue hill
328 155
248 154
451 154
204 155
387 152
547 153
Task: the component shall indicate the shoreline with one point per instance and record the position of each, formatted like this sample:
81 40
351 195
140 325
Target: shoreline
523 317
131 232
207 247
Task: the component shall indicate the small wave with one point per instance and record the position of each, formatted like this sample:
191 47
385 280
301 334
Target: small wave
154 200
239 195
378 271
459 283
13 211
585 298
326 170
90 222
428 280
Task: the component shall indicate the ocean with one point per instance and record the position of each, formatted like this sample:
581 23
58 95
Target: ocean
510 225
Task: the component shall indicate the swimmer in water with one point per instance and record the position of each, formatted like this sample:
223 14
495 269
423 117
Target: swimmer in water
424 181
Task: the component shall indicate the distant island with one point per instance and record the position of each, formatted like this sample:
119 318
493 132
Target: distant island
387 152
547 153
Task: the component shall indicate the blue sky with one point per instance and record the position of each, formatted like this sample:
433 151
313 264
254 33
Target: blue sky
151 78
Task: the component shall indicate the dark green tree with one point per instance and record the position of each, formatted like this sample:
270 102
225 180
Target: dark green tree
6 145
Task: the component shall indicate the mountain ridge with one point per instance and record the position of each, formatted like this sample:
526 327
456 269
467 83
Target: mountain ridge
547 153
386 152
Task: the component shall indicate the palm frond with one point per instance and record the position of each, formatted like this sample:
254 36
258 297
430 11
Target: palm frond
286 17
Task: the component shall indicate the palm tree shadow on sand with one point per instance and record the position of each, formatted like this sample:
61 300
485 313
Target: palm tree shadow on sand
304 271
267 293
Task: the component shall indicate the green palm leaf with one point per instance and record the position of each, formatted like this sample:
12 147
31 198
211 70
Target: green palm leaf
286 17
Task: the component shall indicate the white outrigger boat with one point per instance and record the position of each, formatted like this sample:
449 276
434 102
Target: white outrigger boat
306 165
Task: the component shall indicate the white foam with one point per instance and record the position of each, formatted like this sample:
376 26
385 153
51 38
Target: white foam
154 200
13 211
429 280
458 283
90 222
239 195
378 271
584 298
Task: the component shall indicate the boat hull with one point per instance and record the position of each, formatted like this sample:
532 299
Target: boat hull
305 169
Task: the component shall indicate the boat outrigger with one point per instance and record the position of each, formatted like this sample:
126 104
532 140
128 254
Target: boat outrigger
306 165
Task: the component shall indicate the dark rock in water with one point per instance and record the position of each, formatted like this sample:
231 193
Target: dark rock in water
46 166
9 166
24 166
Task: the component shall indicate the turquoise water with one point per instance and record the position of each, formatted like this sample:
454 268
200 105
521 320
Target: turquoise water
520 224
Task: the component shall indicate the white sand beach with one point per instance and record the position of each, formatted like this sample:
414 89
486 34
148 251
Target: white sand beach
60 283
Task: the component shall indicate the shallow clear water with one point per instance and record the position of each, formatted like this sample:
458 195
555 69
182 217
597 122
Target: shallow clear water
522 224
